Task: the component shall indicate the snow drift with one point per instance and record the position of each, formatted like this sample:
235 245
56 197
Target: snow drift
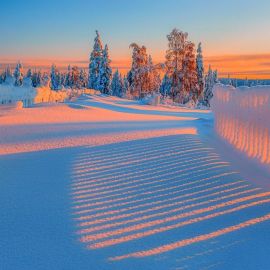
241 118
10 94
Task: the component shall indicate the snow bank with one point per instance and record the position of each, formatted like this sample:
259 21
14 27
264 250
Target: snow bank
242 118
10 94
28 95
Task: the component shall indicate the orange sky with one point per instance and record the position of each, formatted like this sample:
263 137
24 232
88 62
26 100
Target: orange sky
253 66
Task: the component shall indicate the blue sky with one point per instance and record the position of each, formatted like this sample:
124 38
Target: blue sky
65 29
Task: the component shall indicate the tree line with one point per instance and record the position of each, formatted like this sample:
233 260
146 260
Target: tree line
181 77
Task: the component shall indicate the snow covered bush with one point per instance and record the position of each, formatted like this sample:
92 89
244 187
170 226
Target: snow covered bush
242 118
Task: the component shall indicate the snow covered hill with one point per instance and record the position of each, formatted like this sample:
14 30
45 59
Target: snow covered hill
108 183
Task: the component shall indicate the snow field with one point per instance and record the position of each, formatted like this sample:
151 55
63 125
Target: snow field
108 183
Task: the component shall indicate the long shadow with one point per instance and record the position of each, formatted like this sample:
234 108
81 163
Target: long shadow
162 198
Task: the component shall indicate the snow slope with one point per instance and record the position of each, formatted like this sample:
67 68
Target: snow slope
106 183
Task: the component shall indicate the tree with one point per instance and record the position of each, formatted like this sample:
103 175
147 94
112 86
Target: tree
177 41
68 78
165 88
95 64
181 67
75 78
143 78
125 87
209 85
215 74
117 84
153 76
83 78
200 70
105 72
18 74
54 78
137 74
29 73
189 86
36 79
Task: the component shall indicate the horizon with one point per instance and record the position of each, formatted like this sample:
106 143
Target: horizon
237 47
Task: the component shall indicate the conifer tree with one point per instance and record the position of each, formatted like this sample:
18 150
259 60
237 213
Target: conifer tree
200 70
29 73
68 79
18 74
125 87
105 72
54 78
117 84
208 90
95 64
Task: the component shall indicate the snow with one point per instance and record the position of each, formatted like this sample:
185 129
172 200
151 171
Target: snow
241 118
30 95
108 183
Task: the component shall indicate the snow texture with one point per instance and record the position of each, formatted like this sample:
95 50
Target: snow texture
242 119
108 183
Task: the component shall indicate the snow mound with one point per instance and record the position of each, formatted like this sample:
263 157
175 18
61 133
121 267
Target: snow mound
28 95
242 119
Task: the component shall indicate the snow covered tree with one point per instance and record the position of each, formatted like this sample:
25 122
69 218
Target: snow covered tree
165 88
143 78
2 77
200 70
7 76
27 81
29 73
75 78
181 67
105 73
45 80
138 73
54 78
177 41
215 74
154 80
95 64
117 84
125 87
68 79
208 90
83 78
18 75
36 79
189 86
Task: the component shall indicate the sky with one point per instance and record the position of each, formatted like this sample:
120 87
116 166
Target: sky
234 33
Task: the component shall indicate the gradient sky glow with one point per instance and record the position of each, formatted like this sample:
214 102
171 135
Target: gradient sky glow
235 33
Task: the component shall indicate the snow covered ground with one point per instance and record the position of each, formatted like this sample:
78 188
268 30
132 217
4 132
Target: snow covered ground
107 183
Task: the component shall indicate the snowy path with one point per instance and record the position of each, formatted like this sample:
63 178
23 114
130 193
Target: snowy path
105 183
